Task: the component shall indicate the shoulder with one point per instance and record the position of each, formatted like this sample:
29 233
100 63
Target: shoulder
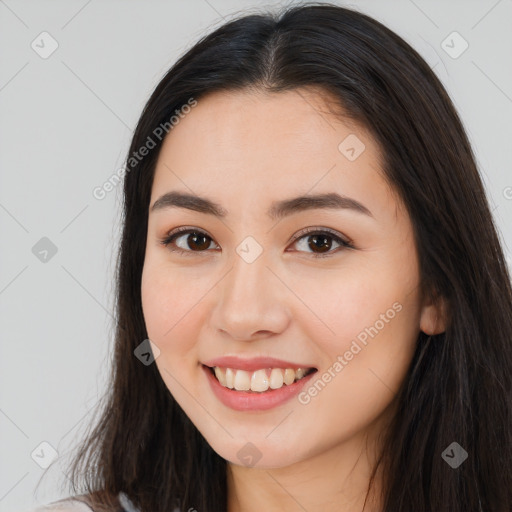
65 505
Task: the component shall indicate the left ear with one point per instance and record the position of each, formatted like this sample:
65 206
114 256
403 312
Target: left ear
433 316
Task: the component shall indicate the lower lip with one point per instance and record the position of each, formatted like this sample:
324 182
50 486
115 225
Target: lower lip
254 401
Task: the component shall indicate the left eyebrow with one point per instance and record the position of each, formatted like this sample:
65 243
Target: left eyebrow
278 209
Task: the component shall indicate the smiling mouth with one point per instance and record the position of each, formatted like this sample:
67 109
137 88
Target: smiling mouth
259 381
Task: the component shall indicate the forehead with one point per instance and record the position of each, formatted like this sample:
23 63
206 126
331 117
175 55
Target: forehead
246 145
301 120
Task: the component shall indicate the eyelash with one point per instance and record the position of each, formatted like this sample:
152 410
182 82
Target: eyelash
344 244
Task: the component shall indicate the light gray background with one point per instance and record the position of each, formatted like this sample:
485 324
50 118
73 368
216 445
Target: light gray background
65 127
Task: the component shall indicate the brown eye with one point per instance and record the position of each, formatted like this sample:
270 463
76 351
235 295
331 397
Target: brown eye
319 242
197 241
193 240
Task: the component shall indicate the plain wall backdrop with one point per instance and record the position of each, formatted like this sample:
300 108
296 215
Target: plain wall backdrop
74 77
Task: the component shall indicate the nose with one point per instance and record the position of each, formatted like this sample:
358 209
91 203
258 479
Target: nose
252 301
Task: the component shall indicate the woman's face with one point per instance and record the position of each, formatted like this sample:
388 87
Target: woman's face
248 284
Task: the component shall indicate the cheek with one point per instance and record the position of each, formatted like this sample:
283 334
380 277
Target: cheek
340 305
172 324
366 359
367 321
168 303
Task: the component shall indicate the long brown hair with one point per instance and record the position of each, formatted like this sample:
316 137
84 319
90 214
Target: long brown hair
459 385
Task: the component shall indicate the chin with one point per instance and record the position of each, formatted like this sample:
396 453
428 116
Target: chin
259 453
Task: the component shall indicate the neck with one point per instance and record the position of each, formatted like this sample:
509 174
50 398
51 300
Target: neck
334 480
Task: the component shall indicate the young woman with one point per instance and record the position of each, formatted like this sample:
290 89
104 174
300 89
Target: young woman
314 310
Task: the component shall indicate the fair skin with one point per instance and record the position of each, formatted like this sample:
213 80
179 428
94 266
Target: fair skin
244 150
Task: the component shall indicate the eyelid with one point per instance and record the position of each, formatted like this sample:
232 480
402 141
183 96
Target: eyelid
334 233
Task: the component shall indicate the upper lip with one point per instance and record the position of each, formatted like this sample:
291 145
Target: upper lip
253 364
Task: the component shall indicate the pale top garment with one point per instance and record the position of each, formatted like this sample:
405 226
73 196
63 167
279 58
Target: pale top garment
75 505
68 505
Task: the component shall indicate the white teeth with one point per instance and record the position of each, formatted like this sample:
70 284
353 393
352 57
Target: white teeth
221 376
242 380
289 376
230 378
259 380
276 378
